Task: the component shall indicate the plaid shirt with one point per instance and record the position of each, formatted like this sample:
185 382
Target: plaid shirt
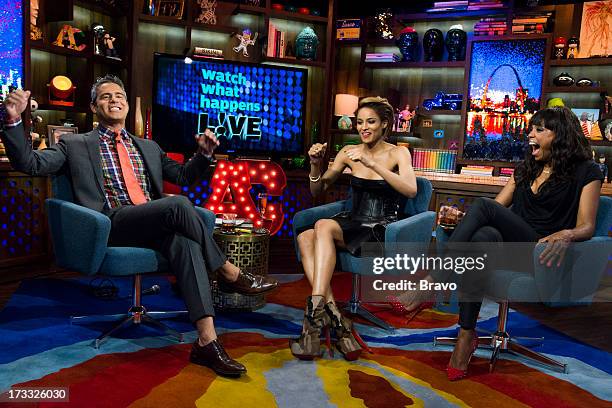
114 187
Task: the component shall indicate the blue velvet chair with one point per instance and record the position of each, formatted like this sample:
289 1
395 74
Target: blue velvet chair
574 283
415 227
80 237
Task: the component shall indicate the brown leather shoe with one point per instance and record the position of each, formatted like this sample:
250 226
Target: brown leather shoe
213 356
249 284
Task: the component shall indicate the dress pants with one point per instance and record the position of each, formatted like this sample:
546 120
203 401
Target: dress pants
172 226
486 221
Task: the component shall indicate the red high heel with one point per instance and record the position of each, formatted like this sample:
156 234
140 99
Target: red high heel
399 309
455 374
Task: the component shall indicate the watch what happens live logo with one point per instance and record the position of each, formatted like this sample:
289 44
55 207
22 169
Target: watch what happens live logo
221 91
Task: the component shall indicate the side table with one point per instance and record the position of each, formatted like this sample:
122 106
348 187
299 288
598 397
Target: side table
248 251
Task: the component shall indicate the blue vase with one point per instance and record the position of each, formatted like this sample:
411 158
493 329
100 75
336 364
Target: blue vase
306 44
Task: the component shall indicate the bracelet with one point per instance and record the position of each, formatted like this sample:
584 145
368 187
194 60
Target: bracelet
314 179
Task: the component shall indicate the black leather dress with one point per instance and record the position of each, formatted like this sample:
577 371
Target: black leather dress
375 204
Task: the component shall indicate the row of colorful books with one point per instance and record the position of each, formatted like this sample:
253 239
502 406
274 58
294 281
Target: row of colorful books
434 160
382 57
491 26
531 22
473 170
276 42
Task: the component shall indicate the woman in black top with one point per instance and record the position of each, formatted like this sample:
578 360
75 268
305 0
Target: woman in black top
554 195
380 173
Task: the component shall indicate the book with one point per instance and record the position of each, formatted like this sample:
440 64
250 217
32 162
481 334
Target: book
270 51
281 52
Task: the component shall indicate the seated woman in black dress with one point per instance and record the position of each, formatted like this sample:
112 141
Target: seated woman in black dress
380 172
554 195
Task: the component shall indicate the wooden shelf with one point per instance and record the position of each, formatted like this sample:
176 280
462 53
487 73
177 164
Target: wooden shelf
449 16
100 7
574 89
422 64
600 143
306 18
53 49
100 59
486 163
342 131
295 61
247 9
580 62
215 28
170 21
433 112
76 109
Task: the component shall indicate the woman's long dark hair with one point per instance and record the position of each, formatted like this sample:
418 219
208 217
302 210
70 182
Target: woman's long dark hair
569 147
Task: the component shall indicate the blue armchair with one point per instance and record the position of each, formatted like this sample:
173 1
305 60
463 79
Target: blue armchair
416 227
80 235
573 283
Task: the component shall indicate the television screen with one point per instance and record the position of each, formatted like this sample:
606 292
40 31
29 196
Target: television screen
253 109
11 46
505 90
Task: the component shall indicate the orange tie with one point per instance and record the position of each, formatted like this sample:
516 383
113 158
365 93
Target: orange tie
129 177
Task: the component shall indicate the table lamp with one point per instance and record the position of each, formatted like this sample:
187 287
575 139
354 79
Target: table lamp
345 107
61 91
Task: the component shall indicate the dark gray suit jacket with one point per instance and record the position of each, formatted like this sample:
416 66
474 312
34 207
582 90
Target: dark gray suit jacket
78 157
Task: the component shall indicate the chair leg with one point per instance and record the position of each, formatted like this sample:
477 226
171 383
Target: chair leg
107 333
520 350
354 306
148 319
483 341
362 312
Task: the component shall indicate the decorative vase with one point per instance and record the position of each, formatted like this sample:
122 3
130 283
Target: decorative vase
433 44
456 41
139 128
408 43
306 44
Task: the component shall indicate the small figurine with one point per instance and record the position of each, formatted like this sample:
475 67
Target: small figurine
245 41
603 167
306 44
560 43
208 10
404 119
109 47
98 32
572 47
34 119
35 32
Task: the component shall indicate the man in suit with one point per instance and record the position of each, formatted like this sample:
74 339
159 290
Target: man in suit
121 176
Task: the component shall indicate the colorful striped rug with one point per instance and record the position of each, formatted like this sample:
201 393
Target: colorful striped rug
140 367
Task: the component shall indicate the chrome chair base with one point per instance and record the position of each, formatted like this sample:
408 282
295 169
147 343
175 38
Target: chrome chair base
137 314
502 342
354 307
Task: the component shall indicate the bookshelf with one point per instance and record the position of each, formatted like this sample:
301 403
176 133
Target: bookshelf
412 82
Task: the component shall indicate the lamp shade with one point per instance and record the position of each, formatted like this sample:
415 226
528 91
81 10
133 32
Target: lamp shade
346 105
